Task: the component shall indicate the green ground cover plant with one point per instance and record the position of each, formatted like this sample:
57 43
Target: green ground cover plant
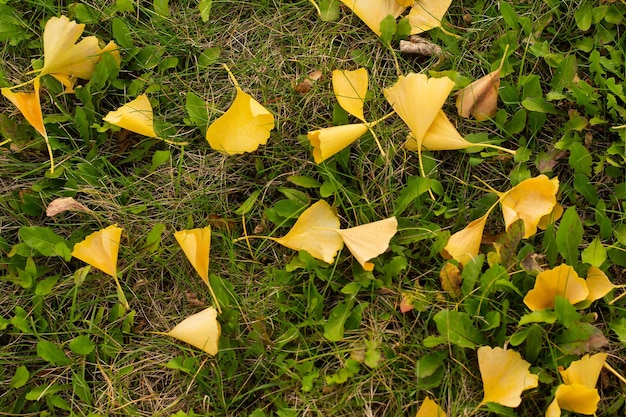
503 229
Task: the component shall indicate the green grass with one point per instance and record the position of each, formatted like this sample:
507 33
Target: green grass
274 358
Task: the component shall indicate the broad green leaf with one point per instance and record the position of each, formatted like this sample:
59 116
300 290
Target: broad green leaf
565 312
248 205
580 159
569 236
205 9
125 6
595 253
619 328
415 186
209 57
121 33
540 316
564 73
42 391
81 388
153 238
334 327
429 363
20 377
583 15
83 13
539 105
52 353
162 8
197 110
387 29
42 239
508 14
45 286
329 10
304 181
82 345
458 329
159 158
580 338
585 188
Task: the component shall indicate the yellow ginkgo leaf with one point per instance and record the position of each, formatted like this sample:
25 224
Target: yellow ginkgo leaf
315 232
100 249
577 398
598 284
196 244
427 14
430 408
463 246
29 105
559 281
584 371
136 116
505 376
201 330
350 88
372 12
530 200
327 142
554 215
369 240
243 127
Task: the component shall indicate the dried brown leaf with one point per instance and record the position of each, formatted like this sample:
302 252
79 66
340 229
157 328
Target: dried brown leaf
62 204
306 85
419 46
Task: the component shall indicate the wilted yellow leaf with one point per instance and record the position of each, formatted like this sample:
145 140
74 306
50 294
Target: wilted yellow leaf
464 245
136 116
327 142
430 408
555 215
350 88
201 330
372 12
427 14
369 240
505 376
315 232
243 127
530 200
100 249
451 280
562 281
196 243
598 284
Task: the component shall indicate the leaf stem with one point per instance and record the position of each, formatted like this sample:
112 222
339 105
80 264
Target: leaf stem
614 372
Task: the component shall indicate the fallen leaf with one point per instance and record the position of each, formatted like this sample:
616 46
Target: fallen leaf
136 116
327 142
201 330
100 249
584 371
305 86
427 14
244 127
372 12
193 300
315 232
30 107
430 408
369 240
559 281
576 398
450 277
531 263
480 98
62 204
464 245
196 243
419 46
350 88
505 376
598 284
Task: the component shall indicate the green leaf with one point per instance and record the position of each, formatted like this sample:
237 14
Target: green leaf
249 204
52 353
42 391
45 286
564 73
583 15
197 110
540 105
121 33
429 363
585 188
595 253
162 8
619 328
83 13
334 327
42 239
580 338
20 377
209 57
415 186
542 316
304 181
458 329
580 159
205 9
125 6
153 238
508 14
565 312
82 345
329 10
387 29
569 236
159 158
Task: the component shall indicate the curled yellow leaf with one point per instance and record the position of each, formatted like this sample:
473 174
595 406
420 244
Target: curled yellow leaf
372 12
327 142
29 105
244 127
315 232
598 284
464 245
136 116
369 240
201 330
100 249
505 376
350 88
196 243
559 281
577 398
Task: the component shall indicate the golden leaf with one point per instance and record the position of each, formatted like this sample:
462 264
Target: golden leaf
327 142
464 245
369 240
201 330
577 398
196 243
59 205
136 116
29 105
530 200
372 12
562 281
555 215
430 408
350 88
584 371
505 376
427 14
100 249
244 127
598 284
315 232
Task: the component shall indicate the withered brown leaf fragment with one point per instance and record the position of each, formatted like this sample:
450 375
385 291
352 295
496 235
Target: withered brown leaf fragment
305 86
419 46
62 204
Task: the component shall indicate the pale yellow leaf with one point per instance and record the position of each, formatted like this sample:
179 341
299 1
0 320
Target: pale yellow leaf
30 107
559 281
430 408
505 376
100 249
327 142
463 246
315 232
577 398
372 12
350 88
427 14
135 116
369 240
201 330
598 284
584 371
196 243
